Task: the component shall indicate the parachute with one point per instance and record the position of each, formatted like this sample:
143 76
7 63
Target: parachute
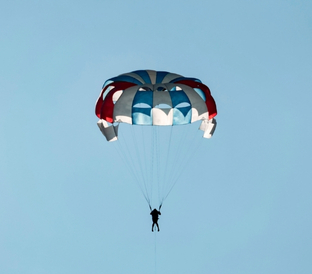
157 101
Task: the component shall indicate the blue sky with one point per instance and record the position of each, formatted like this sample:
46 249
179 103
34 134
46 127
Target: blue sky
68 206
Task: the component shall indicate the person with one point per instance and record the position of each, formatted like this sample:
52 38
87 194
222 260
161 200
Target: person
155 213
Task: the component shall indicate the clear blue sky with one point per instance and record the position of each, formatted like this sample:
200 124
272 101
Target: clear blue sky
244 206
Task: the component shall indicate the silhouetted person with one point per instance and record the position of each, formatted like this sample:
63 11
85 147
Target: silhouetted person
155 214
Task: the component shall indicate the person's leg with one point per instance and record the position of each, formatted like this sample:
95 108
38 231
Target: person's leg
157 226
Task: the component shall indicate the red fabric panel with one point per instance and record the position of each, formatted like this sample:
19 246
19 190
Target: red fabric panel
99 103
104 108
210 102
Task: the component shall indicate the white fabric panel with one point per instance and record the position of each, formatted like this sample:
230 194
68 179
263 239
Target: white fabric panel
162 117
208 126
109 131
196 116
123 107
116 95
152 75
199 108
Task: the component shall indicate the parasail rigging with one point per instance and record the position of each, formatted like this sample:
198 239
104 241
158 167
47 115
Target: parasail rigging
157 139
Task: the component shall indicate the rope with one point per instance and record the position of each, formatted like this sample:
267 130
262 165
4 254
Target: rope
125 155
155 254
169 155
178 177
157 156
164 179
153 149
138 156
183 158
148 171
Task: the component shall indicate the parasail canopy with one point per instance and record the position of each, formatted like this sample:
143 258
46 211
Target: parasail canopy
158 98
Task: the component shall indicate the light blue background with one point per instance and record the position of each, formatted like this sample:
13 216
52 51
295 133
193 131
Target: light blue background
67 206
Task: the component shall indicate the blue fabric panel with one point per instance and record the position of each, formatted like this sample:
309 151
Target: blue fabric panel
144 75
178 97
107 83
181 118
142 116
184 78
145 97
182 115
124 78
184 110
160 76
